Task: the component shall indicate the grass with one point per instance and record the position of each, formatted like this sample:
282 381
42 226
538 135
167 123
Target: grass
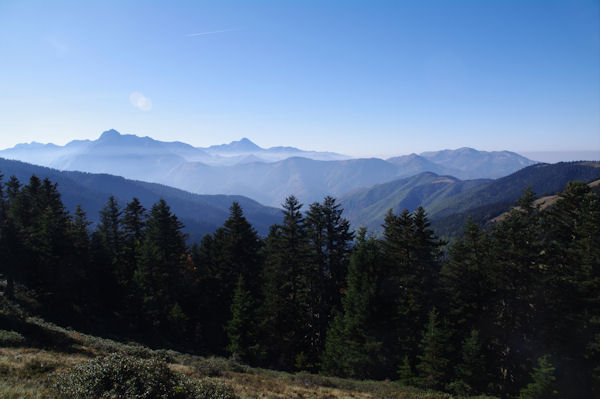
40 351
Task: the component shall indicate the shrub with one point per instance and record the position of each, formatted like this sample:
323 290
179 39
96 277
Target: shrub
11 338
207 389
217 366
119 375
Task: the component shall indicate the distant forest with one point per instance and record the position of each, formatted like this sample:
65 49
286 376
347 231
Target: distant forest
509 310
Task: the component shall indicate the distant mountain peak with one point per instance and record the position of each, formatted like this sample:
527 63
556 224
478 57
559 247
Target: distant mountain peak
111 133
242 145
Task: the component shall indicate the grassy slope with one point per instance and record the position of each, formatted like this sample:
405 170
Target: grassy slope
29 360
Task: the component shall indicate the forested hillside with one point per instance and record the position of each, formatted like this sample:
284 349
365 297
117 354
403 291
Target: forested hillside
201 214
509 311
449 201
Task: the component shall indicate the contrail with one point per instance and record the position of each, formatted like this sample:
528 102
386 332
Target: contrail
210 32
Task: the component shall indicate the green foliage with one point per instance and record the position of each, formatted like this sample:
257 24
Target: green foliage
433 363
470 371
352 348
11 338
543 384
207 389
529 285
286 307
217 366
241 329
120 375
405 373
159 271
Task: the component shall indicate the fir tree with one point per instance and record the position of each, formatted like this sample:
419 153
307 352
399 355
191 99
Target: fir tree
470 372
543 384
352 348
285 311
433 361
159 271
241 329
329 241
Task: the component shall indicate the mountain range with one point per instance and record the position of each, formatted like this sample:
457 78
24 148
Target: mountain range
447 200
200 214
243 168
450 201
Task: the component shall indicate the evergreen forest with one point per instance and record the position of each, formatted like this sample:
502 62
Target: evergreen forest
511 310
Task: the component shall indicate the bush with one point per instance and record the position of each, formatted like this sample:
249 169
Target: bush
11 338
119 375
217 366
207 389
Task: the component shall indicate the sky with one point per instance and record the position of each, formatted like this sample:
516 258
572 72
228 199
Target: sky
363 78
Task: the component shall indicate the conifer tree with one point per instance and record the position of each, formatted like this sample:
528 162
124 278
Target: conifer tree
11 245
466 281
470 372
133 222
352 348
241 329
515 276
5 261
285 311
159 272
82 278
543 384
405 373
412 270
106 252
233 250
433 361
329 241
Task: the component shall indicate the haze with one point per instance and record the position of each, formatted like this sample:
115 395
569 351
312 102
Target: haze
359 78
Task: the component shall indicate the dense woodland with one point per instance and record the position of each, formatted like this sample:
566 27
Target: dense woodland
510 310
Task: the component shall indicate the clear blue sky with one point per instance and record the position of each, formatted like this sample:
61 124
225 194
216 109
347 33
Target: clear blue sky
362 78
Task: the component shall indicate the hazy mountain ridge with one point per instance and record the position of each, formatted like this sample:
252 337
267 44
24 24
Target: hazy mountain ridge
200 213
243 168
449 201
368 206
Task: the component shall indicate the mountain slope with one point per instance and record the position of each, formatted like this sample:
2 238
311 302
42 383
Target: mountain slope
267 175
271 183
200 213
449 201
543 179
368 206
471 164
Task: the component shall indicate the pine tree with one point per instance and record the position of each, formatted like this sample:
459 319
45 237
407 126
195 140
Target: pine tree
159 272
329 241
465 279
233 250
5 261
571 282
352 348
433 361
470 372
133 222
82 279
515 277
105 258
405 373
543 384
410 288
285 311
241 329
